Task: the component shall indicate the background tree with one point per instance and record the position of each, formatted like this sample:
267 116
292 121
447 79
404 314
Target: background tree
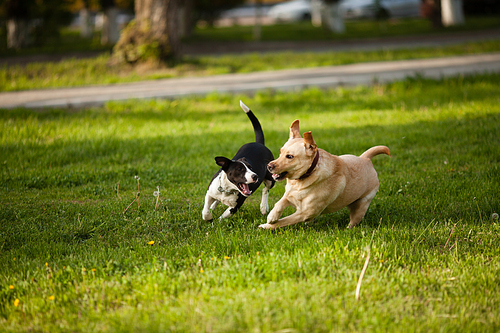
110 32
153 35
431 9
85 26
34 21
18 18
326 13
452 12
186 18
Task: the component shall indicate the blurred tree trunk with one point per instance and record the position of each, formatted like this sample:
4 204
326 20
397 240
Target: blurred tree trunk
110 33
326 13
17 24
160 17
153 35
186 21
334 19
452 12
431 10
85 29
316 17
257 28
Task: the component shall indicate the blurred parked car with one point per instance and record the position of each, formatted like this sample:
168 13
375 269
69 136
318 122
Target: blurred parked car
246 10
295 10
354 9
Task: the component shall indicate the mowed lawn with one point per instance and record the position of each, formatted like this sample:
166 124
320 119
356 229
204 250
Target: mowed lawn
78 254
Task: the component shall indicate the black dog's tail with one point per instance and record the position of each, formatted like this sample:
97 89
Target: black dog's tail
259 134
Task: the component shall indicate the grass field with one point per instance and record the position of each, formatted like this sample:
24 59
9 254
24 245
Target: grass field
354 29
72 259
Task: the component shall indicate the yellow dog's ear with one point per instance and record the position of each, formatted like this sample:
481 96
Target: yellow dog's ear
309 142
294 130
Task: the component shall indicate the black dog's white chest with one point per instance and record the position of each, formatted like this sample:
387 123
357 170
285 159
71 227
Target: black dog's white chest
223 190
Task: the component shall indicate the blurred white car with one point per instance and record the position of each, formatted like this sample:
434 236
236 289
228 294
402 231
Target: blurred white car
351 9
295 10
247 10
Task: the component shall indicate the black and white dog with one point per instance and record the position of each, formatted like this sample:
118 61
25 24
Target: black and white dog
241 176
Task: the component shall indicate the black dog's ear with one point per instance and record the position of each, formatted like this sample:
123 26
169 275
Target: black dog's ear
223 162
245 161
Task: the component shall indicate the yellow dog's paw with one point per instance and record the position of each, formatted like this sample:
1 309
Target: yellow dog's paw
267 226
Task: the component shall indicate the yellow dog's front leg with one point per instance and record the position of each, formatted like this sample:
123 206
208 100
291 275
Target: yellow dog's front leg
305 211
298 216
275 213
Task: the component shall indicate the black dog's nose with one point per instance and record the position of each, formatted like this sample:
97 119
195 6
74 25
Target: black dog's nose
255 178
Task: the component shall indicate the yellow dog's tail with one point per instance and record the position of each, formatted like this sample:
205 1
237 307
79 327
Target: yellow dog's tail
374 151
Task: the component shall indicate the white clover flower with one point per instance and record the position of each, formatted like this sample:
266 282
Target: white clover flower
137 177
156 193
494 217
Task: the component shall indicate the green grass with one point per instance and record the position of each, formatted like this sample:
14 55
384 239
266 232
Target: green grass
74 261
305 31
68 41
70 73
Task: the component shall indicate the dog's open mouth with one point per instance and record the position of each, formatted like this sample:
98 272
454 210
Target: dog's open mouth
278 177
244 189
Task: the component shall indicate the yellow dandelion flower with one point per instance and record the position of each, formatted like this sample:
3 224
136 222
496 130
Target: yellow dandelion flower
258 253
93 269
226 257
16 302
11 287
151 242
46 264
52 297
202 271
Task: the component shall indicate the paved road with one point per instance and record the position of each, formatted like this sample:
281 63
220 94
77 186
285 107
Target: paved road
348 75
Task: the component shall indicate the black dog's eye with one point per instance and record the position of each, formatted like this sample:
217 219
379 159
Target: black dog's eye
289 157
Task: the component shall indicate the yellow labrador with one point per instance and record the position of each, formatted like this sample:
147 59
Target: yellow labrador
319 182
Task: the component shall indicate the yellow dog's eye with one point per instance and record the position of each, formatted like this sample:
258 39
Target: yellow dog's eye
289 157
